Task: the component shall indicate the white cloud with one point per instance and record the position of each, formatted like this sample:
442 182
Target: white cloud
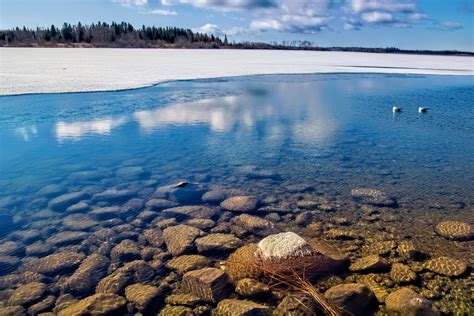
163 12
225 5
358 6
450 26
351 24
209 29
416 17
131 3
377 17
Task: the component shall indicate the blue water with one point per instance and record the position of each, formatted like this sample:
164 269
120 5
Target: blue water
279 138
332 131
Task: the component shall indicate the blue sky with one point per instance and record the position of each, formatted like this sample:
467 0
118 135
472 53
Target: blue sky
418 24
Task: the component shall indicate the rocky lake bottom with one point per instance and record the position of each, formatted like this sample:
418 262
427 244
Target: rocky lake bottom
227 196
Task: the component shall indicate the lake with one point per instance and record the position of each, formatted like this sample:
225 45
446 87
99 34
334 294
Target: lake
82 170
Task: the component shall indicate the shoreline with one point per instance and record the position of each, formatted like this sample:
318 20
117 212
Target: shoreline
27 71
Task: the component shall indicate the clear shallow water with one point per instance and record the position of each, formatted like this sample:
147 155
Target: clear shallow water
337 130
269 136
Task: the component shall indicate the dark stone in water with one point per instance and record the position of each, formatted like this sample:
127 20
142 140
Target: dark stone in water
353 298
191 193
190 211
105 213
159 204
113 195
52 190
62 202
216 196
80 207
127 250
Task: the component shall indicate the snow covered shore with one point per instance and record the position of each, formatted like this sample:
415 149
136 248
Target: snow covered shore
47 70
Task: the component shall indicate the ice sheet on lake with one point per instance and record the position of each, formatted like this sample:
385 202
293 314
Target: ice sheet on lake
46 70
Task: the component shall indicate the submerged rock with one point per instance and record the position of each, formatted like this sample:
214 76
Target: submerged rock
113 195
216 196
380 248
353 298
372 197
12 311
201 223
51 190
183 299
251 223
401 273
372 282
55 264
126 250
285 253
12 248
455 230
233 307
408 249
240 203
407 302
207 283
142 295
62 202
133 272
170 310
190 211
191 193
446 266
42 306
180 239
98 304
297 305
372 263
249 287
79 222
8 264
66 238
87 276
217 243
27 294
131 173
243 263
159 204
183 264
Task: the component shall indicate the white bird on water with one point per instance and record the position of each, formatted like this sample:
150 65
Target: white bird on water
396 109
422 110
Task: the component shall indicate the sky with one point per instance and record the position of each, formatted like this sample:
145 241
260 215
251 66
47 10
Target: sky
407 24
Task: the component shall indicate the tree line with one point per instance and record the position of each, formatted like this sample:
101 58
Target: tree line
102 34
123 34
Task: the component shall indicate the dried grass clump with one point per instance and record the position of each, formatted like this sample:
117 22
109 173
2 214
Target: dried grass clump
290 274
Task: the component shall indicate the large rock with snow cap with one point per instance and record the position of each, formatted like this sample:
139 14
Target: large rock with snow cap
284 246
285 253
